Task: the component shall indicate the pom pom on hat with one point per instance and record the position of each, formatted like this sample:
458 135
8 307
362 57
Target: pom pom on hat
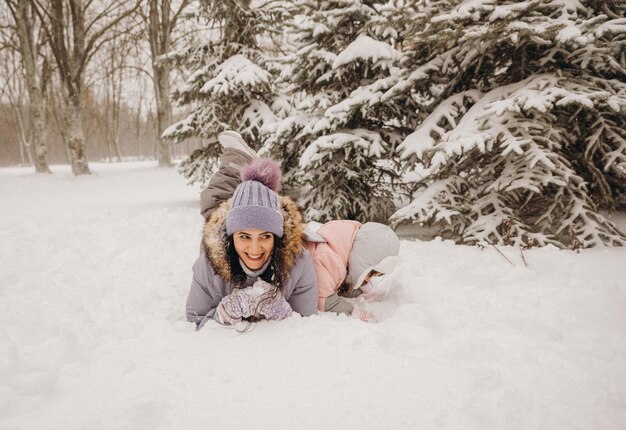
255 203
265 171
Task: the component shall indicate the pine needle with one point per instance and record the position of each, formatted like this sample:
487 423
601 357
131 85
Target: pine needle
521 251
500 252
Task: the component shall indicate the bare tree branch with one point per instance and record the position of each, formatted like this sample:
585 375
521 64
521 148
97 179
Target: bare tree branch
176 15
94 38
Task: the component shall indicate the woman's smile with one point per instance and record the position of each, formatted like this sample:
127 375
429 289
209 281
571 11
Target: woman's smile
254 247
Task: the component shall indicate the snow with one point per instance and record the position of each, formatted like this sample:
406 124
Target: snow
93 282
366 48
423 202
615 26
320 29
367 142
401 84
570 33
468 9
421 139
235 72
507 11
182 127
257 114
341 112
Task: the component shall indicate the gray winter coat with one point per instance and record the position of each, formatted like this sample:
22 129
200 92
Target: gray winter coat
212 275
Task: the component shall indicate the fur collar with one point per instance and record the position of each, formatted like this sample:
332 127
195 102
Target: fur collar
216 244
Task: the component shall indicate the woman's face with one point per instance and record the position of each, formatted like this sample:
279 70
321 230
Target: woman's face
254 247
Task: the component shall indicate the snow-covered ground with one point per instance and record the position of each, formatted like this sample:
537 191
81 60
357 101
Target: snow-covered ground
94 273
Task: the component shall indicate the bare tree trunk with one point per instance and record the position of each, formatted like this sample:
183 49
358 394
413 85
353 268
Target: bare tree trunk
13 90
107 137
150 127
38 135
56 110
113 94
159 36
138 125
75 137
161 21
164 118
138 116
24 24
105 113
117 106
26 153
68 60
116 146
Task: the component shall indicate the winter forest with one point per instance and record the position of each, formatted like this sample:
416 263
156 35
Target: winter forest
490 122
490 135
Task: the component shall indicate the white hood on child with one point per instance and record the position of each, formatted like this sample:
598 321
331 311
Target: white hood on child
375 247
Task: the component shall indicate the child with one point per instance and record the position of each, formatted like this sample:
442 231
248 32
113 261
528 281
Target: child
350 258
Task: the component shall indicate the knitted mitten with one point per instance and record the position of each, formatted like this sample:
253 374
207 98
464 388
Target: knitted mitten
259 300
235 306
275 308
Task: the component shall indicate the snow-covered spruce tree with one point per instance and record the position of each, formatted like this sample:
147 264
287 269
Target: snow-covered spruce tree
339 158
525 135
230 82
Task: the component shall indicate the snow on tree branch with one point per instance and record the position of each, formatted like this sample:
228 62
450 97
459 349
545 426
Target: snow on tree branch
235 73
511 148
366 48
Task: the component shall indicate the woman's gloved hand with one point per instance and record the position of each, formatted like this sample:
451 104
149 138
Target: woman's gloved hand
271 303
261 300
275 308
235 306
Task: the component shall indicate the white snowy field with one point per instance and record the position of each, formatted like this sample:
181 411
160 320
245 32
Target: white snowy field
94 273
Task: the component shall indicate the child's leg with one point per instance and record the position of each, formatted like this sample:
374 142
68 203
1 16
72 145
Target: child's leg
222 185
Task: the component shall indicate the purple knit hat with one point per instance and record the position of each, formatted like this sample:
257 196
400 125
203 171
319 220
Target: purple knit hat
255 203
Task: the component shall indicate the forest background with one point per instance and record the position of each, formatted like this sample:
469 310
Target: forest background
490 122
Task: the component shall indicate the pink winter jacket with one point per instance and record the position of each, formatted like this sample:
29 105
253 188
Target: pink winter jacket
330 258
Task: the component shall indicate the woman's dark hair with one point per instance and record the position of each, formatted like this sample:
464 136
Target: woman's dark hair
274 274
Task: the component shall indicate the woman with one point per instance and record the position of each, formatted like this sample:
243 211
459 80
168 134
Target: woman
253 263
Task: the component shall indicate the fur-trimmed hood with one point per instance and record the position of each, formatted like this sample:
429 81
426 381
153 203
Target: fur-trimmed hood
215 240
